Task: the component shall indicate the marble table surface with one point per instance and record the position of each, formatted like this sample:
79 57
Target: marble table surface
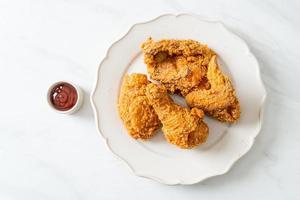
44 155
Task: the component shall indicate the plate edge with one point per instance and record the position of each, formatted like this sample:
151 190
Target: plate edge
261 109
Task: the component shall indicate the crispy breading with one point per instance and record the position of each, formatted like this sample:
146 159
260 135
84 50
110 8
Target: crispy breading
180 65
137 114
220 101
181 126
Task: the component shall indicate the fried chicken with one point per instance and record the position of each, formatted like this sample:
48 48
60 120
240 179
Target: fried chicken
220 101
189 68
137 114
180 65
181 126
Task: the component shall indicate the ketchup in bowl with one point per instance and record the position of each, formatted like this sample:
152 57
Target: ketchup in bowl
65 97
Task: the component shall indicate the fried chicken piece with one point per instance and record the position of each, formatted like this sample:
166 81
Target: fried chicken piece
220 101
181 126
180 65
137 114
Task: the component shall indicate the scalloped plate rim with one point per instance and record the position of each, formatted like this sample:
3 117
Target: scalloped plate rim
179 182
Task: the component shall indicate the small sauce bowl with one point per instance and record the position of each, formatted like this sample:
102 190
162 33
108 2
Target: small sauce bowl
64 97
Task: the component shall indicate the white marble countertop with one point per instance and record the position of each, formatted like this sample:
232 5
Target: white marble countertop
44 155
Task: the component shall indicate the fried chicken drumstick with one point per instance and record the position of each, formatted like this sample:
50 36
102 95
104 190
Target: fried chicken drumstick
137 114
181 126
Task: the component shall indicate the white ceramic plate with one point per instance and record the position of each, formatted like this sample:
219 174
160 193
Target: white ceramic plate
157 159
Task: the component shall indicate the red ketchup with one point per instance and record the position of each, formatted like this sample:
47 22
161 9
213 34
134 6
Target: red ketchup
63 96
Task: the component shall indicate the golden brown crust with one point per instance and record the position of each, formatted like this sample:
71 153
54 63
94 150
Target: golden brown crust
180 65
137 114
220 100
181 126
183 66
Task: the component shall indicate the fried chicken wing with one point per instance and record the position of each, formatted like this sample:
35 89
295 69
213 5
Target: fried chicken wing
180 65
137 114
220 101
181 126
